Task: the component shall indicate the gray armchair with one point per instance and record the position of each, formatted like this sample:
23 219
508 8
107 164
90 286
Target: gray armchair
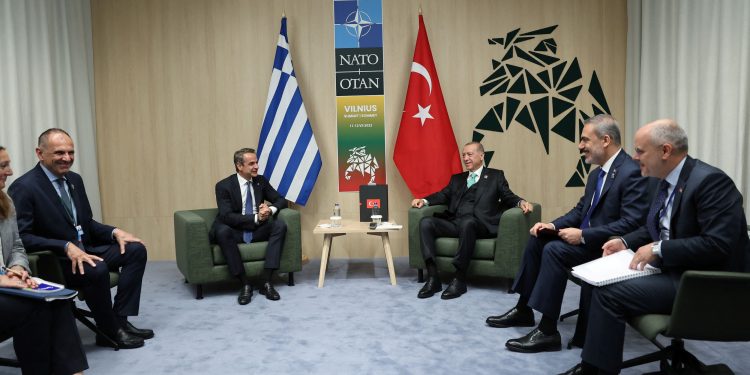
202 262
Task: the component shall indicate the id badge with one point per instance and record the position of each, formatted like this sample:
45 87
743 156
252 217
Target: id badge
79 230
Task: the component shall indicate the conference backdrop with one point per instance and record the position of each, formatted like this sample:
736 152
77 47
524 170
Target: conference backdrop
181 84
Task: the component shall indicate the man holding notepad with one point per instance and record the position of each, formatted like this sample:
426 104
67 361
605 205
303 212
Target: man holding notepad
614 203
696 222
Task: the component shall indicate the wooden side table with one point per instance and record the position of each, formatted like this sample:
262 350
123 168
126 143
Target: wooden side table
347 227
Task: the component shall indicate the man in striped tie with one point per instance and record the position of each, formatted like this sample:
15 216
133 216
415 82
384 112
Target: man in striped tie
613 204
244 217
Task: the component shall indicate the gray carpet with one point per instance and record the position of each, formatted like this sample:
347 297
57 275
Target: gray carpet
356 324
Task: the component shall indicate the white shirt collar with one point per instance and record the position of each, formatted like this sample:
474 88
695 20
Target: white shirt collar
674 175
478 172
611 160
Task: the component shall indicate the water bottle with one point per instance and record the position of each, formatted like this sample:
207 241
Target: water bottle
336 210
336 218
376 217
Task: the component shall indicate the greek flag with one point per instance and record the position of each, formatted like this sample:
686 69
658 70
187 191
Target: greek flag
288 155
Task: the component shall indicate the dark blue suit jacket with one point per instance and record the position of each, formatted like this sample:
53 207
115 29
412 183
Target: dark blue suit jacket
229 201
42 220
622 206
492 194
708 228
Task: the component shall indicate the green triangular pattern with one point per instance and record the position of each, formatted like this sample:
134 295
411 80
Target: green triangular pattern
524 118
534 86
488 156
573 74
540 110
595 89
518 87
566 127
559 106
571 94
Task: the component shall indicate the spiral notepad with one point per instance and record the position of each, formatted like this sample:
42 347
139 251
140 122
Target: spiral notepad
611 269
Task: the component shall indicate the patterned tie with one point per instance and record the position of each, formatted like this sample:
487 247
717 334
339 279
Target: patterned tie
599 182
65 198
472 179
652 221
247 236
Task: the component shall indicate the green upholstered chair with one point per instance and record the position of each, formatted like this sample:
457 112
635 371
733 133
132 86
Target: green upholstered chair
710 306
203 262
493 257
46 265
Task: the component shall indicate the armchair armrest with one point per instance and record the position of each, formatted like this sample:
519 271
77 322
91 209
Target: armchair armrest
415 240
192 247
512 235
291 254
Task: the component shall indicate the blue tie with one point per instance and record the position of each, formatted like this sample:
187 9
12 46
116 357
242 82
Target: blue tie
247 236
654 216
599 182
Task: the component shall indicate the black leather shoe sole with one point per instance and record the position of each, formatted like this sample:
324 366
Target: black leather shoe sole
512 318
427 292
100 341
142 333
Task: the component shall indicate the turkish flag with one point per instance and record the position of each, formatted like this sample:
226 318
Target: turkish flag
426 153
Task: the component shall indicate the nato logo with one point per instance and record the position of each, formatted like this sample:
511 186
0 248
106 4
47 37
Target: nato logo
358 23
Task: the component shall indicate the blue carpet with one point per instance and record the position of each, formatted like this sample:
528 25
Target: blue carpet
356 324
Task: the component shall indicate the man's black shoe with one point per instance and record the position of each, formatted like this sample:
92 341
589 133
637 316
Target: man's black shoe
269 291
515 317
454 290
123 339
431 287
142 333
535 342
580 369
246 293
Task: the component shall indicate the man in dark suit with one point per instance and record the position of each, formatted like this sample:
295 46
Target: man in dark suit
474 199
696 222
244 217
54 214
613 204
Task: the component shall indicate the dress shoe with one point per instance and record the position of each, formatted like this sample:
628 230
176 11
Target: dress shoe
131 329
580 369
454 290
515 317
123 339
246 293
269 291
431 287
535 342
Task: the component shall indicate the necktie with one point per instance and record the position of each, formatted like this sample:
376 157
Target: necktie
599 182
247 236
472 180
65 198
652 220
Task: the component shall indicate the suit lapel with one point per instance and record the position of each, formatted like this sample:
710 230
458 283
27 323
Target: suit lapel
609 179
51 191
679 190
481 184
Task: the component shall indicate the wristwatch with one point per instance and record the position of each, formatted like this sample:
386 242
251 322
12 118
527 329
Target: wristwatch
656 248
